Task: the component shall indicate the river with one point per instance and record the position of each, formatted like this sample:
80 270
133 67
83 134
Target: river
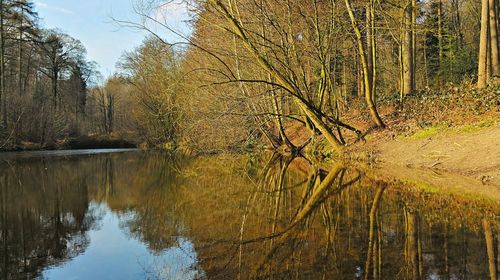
125 214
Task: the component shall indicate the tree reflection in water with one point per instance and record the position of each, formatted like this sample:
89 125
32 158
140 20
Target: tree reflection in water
245 216
300 222
45 215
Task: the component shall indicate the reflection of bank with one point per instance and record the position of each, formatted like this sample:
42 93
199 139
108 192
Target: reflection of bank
319 187
492 263
299 223
45 215
48 211
237 216
114 253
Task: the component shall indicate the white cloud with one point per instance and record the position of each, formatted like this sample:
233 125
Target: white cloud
172 12
43 5
169 19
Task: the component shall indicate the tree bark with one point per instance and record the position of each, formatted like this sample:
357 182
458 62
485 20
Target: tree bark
303 104
407 50
372 46
369 42
55 77
359 79
458 23
371 255
20 61
413 245
3 98
414 44
495 66
279 123
488 236
366 72
440 32
482 73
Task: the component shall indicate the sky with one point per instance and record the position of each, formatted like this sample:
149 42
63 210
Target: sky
91 21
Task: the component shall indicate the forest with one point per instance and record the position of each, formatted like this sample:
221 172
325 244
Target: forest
278 74
264 139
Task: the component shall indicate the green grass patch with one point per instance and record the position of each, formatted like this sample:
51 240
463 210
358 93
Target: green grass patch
429 131
444 128
428 188
477 126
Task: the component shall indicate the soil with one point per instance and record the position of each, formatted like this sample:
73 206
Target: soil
460 163
458 153
472 154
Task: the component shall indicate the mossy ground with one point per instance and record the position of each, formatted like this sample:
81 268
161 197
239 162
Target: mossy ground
448 129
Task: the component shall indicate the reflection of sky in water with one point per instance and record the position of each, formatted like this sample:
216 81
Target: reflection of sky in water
112 254
154 217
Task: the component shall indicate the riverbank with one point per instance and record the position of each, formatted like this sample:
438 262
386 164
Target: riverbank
471 150
462 161
456 131
76 143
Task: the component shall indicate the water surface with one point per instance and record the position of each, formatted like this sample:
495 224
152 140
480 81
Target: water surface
137 215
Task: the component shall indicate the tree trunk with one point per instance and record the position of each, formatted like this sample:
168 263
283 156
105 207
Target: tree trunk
488 235
110 114
304 104
54 89
495 66
320 124
361 88
371 46
374 53
371 255
20 61
369 42
413 244
414 44
407 50
488 55
366 72
344 79
440 32
401 76
426 67
3 98
458 23
279 123
482 76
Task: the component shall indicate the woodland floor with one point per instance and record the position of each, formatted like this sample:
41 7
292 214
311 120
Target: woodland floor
451 145
473 154
460 160
442 138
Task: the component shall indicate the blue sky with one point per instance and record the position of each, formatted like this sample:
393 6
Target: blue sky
91 22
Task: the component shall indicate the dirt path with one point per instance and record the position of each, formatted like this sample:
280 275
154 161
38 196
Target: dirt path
472 154
461 159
